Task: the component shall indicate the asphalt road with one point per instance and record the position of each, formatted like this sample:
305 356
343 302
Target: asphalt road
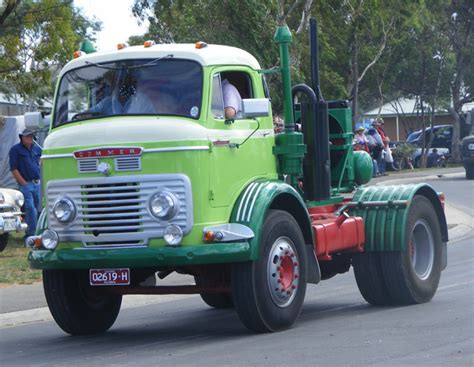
335 328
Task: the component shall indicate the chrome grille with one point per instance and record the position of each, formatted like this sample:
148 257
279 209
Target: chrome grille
113 211
127 164
87 165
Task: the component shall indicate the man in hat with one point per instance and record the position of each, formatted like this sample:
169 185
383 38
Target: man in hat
25 167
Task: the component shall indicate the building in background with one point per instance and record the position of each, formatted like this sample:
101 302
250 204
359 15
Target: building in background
403 116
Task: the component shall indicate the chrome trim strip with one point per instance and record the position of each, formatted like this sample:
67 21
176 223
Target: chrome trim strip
65 155
244 198
177 149
253 202
248 200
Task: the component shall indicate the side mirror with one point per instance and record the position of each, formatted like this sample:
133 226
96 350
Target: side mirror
33 120
255 107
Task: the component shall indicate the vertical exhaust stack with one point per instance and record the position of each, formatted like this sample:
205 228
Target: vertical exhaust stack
317 173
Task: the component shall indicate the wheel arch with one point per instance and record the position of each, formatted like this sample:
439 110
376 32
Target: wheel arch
261 195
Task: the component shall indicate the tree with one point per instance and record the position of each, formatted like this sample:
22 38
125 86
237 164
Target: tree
39 37
459 28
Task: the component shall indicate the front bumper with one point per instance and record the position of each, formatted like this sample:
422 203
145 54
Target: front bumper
15 219
140 257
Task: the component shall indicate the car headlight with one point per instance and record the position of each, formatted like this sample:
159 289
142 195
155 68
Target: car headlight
64 210
19 199
164 205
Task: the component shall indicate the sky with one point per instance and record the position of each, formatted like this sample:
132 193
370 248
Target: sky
118 22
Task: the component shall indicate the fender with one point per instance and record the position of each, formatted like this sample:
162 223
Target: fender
385 225
261 195
42 222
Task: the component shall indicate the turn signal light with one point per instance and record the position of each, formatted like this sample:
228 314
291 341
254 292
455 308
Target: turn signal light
209 236
122 45
200 45
148 43
78 54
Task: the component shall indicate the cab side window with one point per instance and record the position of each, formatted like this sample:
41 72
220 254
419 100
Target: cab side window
228 90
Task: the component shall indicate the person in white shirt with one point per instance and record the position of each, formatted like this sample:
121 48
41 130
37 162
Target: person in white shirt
232 100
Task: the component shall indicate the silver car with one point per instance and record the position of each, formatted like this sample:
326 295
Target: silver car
11 202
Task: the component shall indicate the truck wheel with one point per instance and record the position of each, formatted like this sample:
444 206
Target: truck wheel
76 307
412 276
470 172
215 300
268 293
369 278
3 241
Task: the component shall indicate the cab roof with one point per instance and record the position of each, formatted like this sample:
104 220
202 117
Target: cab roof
209 55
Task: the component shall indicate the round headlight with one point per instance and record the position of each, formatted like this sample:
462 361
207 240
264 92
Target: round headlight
50 239
64 210
173 235
164 205
19 199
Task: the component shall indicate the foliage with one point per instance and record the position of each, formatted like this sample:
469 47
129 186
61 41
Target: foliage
39 37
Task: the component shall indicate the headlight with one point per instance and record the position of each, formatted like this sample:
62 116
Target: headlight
64 210
173 235
50 239
164 205
19 199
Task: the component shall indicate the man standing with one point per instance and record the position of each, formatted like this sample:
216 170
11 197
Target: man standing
25 167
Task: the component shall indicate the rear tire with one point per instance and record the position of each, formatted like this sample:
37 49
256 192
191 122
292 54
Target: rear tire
268 293
3 241
369 278
77 307
409 276
214 300
412 275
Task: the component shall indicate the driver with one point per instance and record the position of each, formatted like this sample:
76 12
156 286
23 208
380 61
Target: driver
126 98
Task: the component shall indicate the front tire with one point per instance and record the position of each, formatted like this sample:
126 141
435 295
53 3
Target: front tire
78 308
3 241
268 293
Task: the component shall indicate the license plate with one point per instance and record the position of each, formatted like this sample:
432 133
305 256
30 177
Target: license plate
109 276
9 225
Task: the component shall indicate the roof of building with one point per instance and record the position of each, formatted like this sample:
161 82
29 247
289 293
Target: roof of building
406 106
209 55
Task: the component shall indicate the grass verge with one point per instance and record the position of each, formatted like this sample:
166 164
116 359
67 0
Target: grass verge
14 266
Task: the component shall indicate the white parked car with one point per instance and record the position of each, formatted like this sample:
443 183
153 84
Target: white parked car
11 202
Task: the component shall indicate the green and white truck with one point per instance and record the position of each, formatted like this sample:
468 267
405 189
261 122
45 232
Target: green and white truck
144 176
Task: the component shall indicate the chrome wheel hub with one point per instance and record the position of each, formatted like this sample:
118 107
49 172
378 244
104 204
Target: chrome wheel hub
422 249
283 272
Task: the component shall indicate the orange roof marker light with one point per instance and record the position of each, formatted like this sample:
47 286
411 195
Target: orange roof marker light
78 54
149 43
200 44
122 45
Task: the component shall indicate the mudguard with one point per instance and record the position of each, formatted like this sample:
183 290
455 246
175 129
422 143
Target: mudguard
42 222
261 195
385 224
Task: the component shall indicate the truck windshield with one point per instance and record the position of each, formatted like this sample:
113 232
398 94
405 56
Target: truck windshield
163 86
